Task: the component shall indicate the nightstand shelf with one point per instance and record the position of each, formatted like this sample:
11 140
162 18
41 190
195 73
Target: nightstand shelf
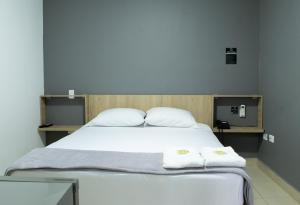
63 127
252 123
60 128
241 130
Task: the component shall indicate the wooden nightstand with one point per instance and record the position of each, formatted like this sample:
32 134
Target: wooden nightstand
60 128
255 101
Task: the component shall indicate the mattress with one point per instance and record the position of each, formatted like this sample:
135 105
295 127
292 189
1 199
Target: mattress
114 188
138 139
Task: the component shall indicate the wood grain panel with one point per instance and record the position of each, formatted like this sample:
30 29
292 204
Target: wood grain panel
43 110
260 112
200 105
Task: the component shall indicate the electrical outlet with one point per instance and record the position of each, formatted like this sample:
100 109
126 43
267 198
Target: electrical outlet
271 138
71 94
234 109
266 137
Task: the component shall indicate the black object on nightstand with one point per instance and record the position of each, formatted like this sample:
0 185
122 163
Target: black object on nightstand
221 125
46 125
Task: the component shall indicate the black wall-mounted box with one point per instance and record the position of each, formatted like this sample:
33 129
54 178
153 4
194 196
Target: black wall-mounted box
231 55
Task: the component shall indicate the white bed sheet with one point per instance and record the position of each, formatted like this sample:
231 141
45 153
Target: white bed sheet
115 188
138 139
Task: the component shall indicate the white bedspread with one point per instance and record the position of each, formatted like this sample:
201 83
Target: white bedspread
102 187
138 139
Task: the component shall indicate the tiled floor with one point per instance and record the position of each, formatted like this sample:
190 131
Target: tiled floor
266 191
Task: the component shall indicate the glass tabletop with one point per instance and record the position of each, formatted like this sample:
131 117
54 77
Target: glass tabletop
33 192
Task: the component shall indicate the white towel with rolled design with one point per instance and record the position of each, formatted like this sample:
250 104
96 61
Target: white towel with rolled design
176 158
222 157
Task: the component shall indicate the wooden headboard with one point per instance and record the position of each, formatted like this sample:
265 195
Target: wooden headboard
200 105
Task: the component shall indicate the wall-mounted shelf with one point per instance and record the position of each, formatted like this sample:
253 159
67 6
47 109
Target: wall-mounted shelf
241 130
256 105
60 128
237 96
63 96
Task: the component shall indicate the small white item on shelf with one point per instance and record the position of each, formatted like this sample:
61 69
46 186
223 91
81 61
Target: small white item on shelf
71 94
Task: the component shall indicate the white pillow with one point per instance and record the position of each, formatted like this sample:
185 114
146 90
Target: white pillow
170 117
119 117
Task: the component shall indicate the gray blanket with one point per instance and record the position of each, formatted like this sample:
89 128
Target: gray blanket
142 163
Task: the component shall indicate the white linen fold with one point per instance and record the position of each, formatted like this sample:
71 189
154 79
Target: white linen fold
176 158
222 157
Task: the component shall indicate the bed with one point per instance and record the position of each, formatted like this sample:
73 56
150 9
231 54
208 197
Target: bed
115 188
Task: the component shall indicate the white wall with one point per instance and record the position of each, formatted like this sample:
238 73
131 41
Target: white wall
21 77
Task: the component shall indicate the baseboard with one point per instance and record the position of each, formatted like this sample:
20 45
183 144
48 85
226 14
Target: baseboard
281 182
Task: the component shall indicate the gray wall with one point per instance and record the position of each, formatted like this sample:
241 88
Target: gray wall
143 47
177 46
151 47
279 83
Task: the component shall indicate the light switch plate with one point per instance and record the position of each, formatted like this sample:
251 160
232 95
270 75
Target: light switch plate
266 137
242 111
271 138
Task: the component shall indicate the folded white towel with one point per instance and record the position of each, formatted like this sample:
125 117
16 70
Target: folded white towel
222 157
176 158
